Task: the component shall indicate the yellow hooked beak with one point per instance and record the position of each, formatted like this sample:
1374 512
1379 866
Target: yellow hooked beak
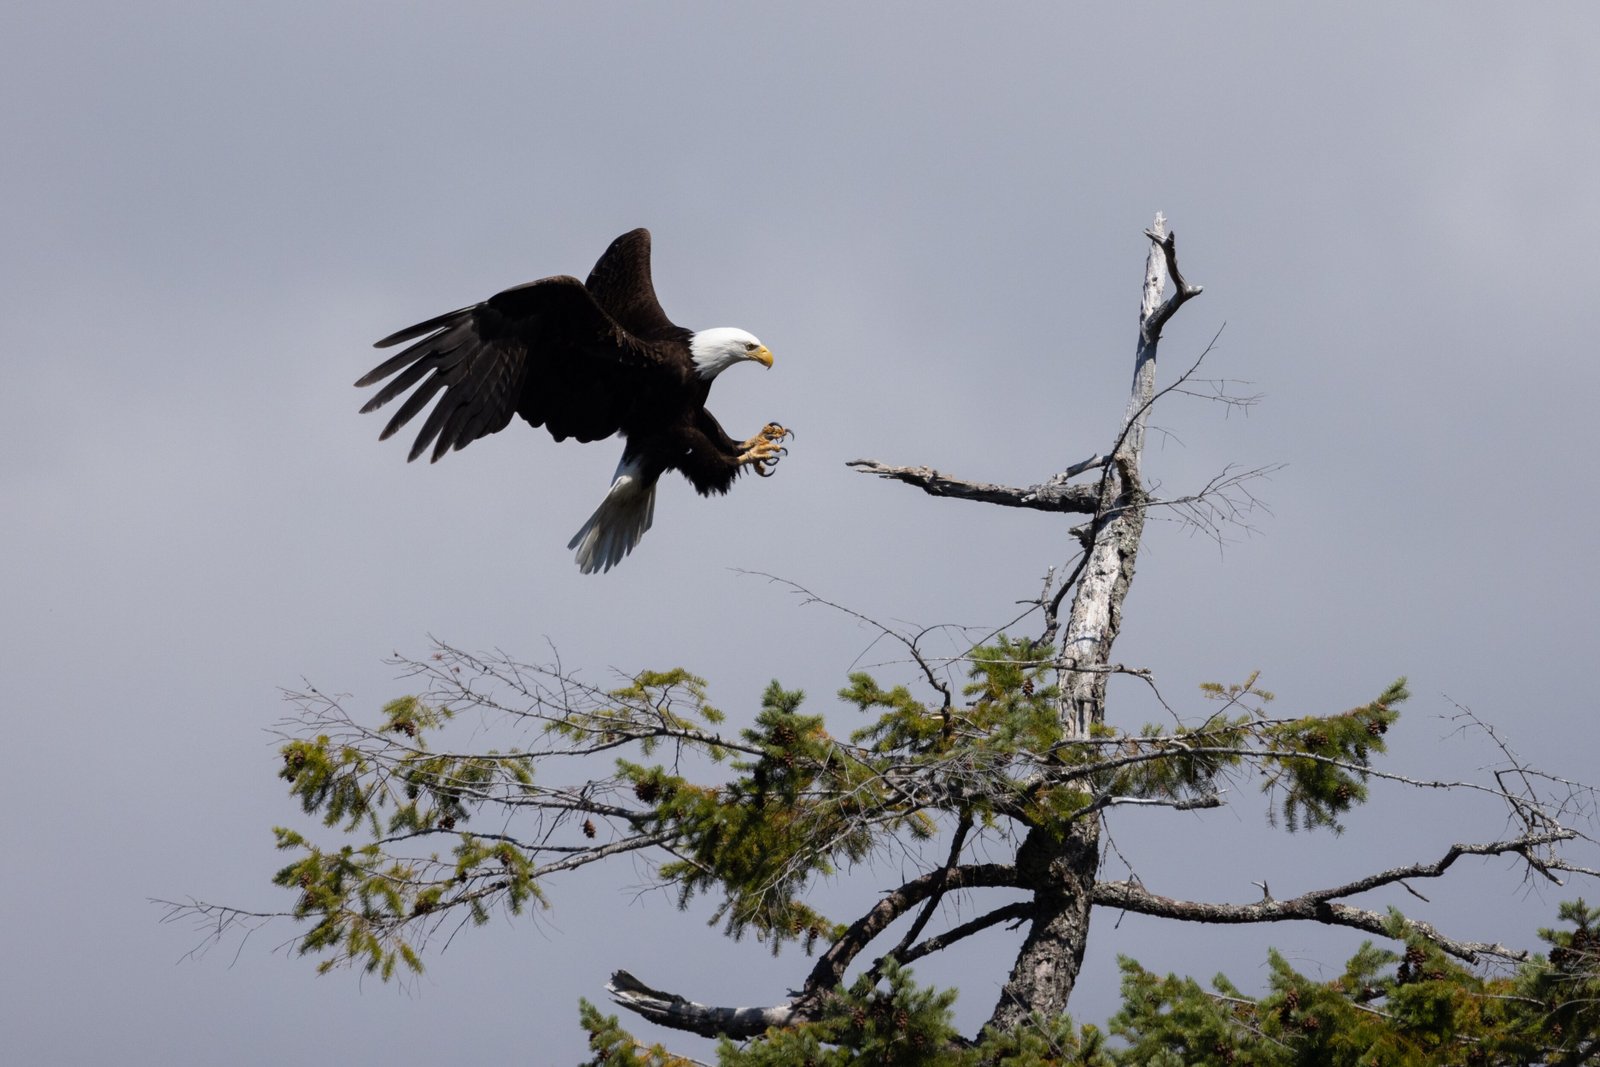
762 356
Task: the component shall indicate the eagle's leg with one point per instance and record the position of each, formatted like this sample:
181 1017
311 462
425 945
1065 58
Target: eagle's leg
762 453
770 432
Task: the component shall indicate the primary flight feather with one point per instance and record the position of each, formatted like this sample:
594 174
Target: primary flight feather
584 360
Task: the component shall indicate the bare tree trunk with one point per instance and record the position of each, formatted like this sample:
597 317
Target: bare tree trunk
1061 874
1062 871
1114 532
1057 864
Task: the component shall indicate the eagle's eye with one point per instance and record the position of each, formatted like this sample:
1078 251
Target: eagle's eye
749 346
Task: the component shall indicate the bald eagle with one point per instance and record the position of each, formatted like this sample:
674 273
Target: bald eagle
583 360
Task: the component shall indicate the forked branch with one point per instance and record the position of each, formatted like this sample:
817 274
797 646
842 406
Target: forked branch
831 967
679 1013
1318 905
1321 905
1168 243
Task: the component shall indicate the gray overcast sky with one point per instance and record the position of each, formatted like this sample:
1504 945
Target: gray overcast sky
932 214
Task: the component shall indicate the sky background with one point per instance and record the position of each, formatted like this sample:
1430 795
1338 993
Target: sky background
932 214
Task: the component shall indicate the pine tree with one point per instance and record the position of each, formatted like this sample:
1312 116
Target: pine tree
1023 759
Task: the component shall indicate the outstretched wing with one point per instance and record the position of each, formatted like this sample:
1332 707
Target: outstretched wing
545 350
620 283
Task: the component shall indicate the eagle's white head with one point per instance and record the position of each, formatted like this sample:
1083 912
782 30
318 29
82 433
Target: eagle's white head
715 350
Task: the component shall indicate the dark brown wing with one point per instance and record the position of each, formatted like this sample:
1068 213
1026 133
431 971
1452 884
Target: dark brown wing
620 283
545 351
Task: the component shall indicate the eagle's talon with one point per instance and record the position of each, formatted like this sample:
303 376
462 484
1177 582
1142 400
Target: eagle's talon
763 451
770 434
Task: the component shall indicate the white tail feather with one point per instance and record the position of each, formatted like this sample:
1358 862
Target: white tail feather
618 523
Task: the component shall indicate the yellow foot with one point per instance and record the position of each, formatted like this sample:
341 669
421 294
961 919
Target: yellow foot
763 452
771 432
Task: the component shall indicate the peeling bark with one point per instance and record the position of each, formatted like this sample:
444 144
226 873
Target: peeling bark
669 1009
1053 494
1061 871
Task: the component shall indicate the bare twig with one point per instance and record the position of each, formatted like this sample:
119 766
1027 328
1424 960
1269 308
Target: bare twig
830 968
910 643
958 840
1014 912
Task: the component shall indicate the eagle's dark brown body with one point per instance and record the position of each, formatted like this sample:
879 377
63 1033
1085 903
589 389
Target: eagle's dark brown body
584 360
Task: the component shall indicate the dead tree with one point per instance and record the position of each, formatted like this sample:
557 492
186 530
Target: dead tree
1058 862
1060 871
1031 761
